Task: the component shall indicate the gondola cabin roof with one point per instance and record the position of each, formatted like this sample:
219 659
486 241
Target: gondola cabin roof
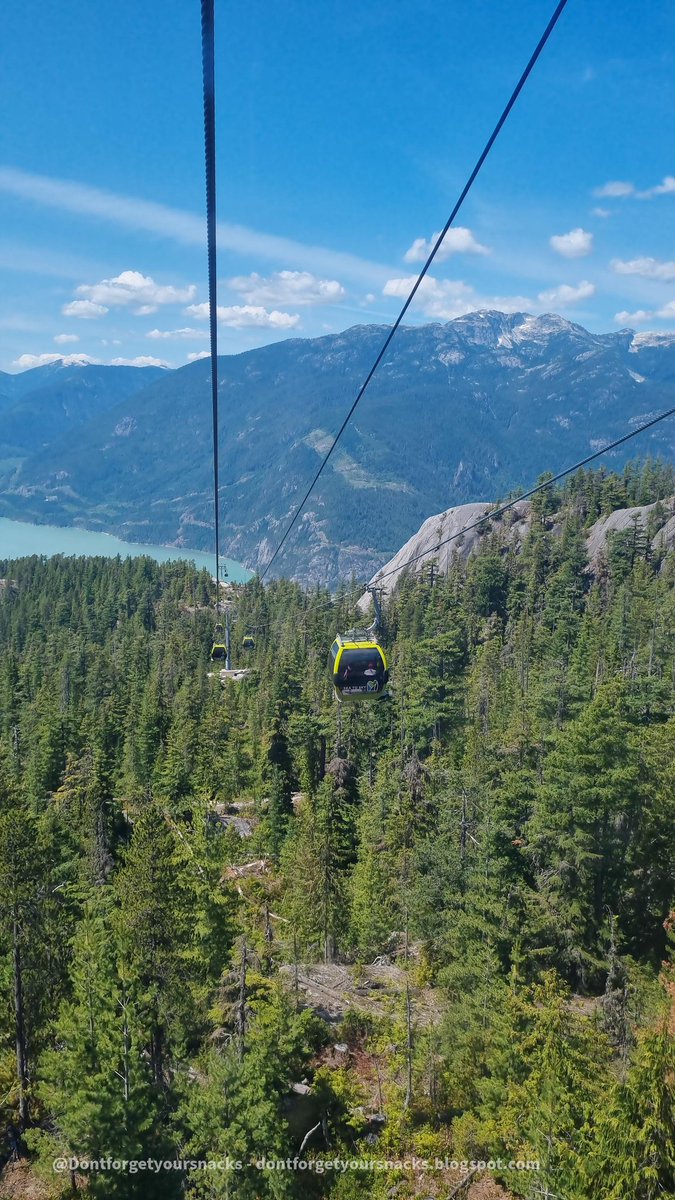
357 640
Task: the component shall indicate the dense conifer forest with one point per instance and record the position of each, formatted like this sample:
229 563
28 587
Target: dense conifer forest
240 920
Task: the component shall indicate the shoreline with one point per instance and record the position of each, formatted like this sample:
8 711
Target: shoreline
161 553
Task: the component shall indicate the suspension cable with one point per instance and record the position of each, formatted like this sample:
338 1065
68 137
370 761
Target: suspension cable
209 79
463 194
540 487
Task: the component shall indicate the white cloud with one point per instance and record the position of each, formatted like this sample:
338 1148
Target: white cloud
132 288
62 339
141 360
197 355
667 188
616 188
575 244
240 316
145 310
565 295
458 240
633 318
85 309
184 227
603 213
620 190
287 287
647 268
448 295
445 299
667 313
25 361
171 334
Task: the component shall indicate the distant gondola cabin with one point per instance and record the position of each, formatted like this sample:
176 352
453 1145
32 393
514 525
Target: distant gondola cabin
358 667
248 642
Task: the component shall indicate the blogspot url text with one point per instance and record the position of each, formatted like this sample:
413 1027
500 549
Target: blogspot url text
318 1166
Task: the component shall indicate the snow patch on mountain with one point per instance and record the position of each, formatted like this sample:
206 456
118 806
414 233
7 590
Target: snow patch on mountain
651 338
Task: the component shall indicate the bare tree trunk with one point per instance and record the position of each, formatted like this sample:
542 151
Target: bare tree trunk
380 1101
156 1052
462 840
408 1027
432 1069
241 1006
322 757
408 1046
652 639
126 1048
19 1027
308 1136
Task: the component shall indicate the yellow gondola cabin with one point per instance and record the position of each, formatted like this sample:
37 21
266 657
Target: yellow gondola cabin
358 667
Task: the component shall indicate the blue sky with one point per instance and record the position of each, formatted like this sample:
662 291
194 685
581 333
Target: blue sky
345 132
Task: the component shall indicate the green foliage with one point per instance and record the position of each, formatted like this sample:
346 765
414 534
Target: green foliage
233 1104
628 1144
174 855
96 1081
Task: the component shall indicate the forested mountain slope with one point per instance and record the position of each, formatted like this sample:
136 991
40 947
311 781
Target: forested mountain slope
45 404
177 859
461 412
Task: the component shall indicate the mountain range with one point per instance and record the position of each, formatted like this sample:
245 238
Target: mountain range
40 406
457 413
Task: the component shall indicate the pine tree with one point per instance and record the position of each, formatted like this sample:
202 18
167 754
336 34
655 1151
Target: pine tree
234 1106
584 826
153 927
628 1144
28 983
96 1082
317 860
545 1066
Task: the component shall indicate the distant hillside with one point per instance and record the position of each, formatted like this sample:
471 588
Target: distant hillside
40 406
457 412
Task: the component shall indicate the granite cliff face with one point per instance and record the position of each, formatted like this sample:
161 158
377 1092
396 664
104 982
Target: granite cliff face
512 528
477 407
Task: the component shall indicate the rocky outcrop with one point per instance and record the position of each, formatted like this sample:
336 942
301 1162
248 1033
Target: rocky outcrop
624 518
665 538
459 531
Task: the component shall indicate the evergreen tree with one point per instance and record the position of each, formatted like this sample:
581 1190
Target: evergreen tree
153 926
97 1082
628 1144
234 1106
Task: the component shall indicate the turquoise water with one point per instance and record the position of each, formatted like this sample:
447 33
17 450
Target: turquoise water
18 538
